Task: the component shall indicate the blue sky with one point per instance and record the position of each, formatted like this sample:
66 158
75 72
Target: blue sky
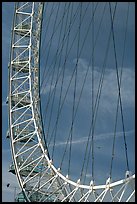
107 108
7 16
106 117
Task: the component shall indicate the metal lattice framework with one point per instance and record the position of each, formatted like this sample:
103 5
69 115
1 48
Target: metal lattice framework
37 176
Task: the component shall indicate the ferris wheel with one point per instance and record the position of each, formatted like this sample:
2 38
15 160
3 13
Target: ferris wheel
34 151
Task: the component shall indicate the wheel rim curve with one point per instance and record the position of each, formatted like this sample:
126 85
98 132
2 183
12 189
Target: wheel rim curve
24 84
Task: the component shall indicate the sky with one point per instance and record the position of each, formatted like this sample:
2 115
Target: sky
7 193
107 108
106 114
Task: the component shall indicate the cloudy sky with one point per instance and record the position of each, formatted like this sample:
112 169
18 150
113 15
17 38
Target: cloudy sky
7 193
106 115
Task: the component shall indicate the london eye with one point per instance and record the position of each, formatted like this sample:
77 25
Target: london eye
67 76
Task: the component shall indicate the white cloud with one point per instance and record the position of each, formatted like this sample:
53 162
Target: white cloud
109 92
102 136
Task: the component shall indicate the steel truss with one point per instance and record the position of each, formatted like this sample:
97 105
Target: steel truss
37 176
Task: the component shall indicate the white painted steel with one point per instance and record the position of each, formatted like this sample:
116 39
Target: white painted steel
39 179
